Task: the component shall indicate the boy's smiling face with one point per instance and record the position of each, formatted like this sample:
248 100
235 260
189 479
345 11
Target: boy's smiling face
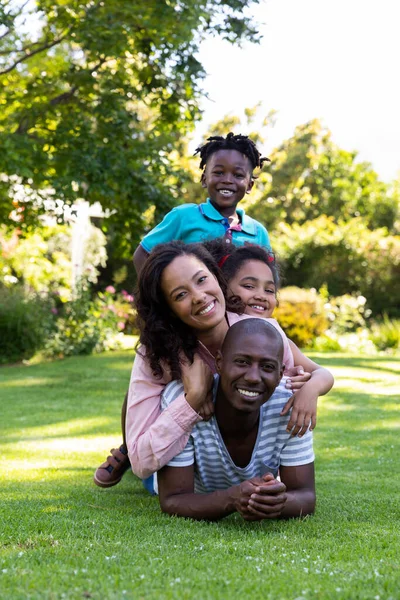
227 177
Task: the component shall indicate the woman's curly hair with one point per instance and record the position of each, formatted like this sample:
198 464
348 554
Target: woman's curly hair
163 334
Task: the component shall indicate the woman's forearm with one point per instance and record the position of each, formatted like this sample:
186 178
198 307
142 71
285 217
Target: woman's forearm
152 442
154 437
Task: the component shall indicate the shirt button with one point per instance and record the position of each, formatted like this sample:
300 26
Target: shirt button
228 241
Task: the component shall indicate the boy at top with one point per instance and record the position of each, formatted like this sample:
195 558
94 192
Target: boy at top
228 165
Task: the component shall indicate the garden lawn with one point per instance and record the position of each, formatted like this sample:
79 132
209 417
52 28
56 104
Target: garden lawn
63 537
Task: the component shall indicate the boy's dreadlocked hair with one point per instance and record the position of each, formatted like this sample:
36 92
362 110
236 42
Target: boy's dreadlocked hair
241 143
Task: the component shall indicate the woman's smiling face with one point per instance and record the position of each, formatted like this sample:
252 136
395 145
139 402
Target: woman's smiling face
254 284
193 293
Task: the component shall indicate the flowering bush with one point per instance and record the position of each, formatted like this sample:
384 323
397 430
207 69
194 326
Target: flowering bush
347 313
357 342
42 261
301 315
87 325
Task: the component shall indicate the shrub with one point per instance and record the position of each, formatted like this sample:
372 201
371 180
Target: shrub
25 322
347 257
87 325
325 343
42 258
357 342
386 334
301 315
347 313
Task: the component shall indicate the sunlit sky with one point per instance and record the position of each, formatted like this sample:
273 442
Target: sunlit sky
338 61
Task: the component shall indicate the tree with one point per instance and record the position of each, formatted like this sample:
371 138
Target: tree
311 176
94 102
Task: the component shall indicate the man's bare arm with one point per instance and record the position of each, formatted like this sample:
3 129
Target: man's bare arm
300 490
177 497
139 258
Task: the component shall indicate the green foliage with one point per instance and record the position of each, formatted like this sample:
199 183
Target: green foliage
386 334
95 101
87 325
347 313
41 260
301 315
356 342
325 343
26 321
310 176
346 257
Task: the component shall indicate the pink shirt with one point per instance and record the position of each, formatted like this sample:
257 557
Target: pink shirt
155 437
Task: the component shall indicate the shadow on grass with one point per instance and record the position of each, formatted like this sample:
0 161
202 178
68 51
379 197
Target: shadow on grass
378 363
75 365
53 393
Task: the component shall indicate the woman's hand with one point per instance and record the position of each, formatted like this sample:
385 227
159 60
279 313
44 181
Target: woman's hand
207 410
198 381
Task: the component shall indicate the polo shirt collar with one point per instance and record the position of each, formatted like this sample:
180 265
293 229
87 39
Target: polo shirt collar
248 225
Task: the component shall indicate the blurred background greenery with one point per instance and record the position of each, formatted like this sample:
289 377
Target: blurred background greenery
99 104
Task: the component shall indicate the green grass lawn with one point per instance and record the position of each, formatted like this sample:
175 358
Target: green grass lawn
62 537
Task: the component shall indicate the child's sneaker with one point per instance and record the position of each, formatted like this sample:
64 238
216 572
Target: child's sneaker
111 472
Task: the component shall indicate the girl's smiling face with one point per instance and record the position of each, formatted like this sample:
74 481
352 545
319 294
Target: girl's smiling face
193 293
254 284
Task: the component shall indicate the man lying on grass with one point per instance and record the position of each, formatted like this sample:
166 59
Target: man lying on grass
231 462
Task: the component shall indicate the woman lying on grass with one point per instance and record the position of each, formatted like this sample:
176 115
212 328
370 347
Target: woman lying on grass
183 321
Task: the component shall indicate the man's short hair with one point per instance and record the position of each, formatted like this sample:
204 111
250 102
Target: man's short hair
253 326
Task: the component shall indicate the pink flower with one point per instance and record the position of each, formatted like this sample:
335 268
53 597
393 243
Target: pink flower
127 297
54 311
121 325
110 289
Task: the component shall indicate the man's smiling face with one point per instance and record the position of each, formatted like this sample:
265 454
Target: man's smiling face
250 369
227 177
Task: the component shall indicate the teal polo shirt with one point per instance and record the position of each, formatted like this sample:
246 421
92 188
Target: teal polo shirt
200 222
